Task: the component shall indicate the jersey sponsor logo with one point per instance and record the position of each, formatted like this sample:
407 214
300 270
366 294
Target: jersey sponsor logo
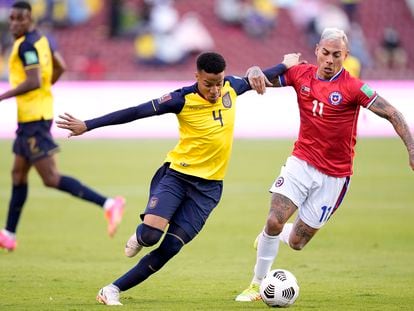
183 164
335 98
30 57
226 100
153 202
305 90
366 89
199 107
279 182
164 98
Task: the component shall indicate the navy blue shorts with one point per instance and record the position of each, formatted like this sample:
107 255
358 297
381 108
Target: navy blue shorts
34 140
184 200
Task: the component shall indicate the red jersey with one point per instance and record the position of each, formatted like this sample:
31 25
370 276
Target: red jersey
328 117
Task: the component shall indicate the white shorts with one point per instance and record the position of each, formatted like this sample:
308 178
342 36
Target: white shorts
316 194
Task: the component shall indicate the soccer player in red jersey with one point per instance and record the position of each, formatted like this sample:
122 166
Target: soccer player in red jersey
316 176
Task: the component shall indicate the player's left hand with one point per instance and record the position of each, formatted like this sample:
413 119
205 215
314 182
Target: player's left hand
74 125
257 79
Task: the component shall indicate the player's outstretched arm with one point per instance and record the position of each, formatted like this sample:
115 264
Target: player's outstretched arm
148 109
385 110
259 80
74 125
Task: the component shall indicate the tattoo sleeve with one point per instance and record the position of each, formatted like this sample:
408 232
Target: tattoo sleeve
303 232
385 110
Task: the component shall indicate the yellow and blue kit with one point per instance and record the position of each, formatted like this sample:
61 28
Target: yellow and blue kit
34 108
29 51
205 129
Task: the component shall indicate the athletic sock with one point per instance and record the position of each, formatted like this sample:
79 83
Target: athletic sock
151 263
74 187
267 249
18 198
284 235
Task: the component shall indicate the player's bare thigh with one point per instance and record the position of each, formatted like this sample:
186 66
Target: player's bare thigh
281 209
155 221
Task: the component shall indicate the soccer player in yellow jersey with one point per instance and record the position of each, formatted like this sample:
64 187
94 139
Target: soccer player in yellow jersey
188 186
35 65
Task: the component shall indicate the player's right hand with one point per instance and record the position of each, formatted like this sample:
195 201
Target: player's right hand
292 59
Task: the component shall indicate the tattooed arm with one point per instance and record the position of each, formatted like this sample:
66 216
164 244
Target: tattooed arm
385 110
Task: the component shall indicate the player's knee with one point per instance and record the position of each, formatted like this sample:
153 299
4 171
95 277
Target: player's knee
273 226
51 181
147 235
296 245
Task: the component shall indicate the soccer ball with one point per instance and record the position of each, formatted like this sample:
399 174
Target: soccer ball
279 288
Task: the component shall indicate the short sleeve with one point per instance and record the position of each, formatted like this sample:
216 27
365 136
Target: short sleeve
28 54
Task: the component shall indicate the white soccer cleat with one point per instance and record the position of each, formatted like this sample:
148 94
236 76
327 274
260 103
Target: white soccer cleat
132 246
109 295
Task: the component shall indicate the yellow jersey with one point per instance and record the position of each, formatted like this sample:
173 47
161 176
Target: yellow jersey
205 129
29 51
206 134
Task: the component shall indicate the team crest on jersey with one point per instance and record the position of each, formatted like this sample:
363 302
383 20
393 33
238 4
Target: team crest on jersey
335 98
226 100
279 182
164 98
305 90
153 202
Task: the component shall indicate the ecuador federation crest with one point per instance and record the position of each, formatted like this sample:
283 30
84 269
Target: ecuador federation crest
226 100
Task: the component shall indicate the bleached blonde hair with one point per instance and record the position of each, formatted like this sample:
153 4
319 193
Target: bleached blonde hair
334 34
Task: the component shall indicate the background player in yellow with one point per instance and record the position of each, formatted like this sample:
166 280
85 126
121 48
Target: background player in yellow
35 65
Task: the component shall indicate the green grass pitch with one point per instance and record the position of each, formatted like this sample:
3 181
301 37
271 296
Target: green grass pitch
363 259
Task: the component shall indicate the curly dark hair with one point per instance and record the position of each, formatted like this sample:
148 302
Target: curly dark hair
211 62
22 5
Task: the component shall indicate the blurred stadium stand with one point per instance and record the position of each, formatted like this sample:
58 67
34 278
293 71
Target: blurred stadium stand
240 50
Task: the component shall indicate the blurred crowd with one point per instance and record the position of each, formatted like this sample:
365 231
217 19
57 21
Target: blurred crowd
162 36
315 15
